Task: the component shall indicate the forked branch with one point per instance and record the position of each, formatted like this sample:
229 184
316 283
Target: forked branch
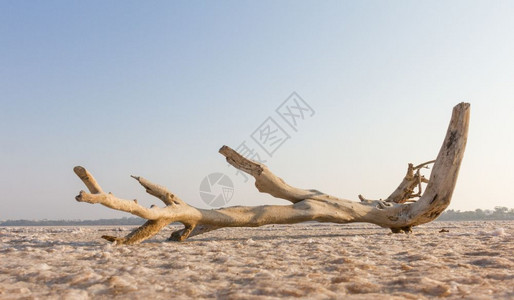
400 211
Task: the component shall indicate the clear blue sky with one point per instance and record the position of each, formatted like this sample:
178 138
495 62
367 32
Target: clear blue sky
155 88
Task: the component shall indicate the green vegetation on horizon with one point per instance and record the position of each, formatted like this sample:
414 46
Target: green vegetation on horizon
105 222
499 213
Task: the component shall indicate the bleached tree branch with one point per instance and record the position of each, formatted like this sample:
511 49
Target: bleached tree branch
399 211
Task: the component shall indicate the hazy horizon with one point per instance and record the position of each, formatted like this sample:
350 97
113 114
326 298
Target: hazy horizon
155 89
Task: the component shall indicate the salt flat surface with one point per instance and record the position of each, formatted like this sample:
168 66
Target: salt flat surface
474 260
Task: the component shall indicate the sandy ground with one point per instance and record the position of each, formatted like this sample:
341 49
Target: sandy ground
474 260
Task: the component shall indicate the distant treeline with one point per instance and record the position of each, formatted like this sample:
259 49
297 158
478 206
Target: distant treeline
105 222
499 213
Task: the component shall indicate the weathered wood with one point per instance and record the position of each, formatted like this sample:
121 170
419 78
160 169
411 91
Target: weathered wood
400 211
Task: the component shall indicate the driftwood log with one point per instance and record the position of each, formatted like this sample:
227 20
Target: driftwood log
406 207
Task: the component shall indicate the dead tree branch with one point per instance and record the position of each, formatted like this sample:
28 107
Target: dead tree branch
399 211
